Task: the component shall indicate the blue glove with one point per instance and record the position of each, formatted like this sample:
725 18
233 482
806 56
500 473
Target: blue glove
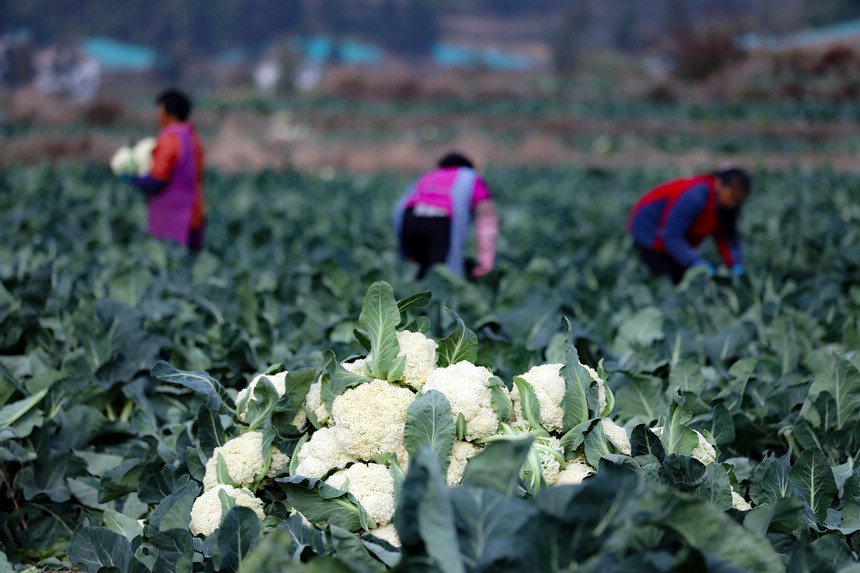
707 266
738 269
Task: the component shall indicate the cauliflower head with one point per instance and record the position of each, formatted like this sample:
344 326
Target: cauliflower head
387 533
549 389
142 153
206 511
320 454
738 502
467 388
370 419
278 381
617 434
420 353
574 472
372 486
704 452
601 387
459 457
244 458
122 161
314 403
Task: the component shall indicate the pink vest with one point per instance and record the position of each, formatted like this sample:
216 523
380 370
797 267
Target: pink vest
170 211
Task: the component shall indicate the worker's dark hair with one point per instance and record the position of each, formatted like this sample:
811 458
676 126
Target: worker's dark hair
455 159
735 178
175 103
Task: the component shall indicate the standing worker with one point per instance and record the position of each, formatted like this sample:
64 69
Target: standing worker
174 184
669 222
432 220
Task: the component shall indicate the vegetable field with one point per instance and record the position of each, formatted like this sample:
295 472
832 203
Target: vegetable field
566 413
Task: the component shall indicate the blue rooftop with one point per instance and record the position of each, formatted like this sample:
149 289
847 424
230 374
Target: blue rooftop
119 56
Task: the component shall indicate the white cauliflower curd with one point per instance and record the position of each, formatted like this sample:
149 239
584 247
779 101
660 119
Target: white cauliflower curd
370 419
420 353
574 472
387 533
467 388
206 511
617 434
460 454
315 405
738 502
549 389
244 459
704 452
372 486
320 454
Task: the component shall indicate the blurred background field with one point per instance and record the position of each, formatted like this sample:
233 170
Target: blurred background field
363 86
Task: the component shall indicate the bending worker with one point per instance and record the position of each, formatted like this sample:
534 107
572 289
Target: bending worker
432 220
174 184
669 222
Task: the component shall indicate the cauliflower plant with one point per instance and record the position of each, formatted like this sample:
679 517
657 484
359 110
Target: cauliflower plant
370 419
467 388
320 454
372 486
617 434
460 454
279 381
601 388
549 389
574 472
244 459
704 452
206 511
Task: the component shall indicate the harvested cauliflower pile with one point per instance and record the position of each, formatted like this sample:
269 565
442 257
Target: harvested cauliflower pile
370 419
244 459
206 511
372 486
467 388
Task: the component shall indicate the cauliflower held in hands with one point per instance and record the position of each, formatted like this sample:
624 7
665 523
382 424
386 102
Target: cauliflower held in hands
142 153
370 419
206 511
467 388
244 459
549 389
122 161
135 160
320 454
372 486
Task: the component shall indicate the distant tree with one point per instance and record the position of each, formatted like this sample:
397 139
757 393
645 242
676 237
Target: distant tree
567 44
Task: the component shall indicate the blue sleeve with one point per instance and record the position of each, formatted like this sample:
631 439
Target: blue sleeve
149 184
681 217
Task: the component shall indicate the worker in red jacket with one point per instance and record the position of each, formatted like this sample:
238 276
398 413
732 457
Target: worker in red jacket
669 222
174 184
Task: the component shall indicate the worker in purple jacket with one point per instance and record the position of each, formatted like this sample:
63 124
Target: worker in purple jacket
174 185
